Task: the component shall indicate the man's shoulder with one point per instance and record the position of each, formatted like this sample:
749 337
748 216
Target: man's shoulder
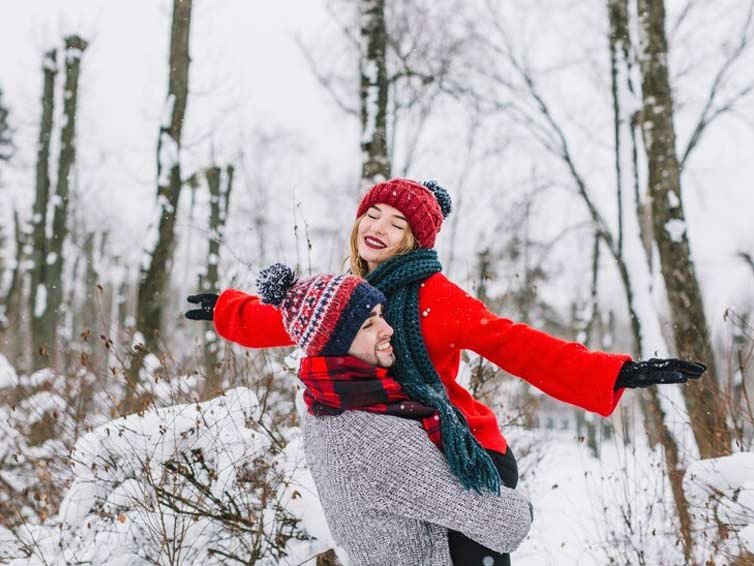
356 423
363 434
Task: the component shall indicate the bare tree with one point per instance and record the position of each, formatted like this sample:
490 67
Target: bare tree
620 47
38 263
154 276
10 301
374 92
6 151
6 137
405 71
74 48
714 107
538 118
692 341
219 201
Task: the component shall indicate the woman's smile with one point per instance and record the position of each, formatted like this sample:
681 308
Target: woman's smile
374 243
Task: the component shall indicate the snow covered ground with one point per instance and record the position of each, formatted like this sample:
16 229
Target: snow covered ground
138 480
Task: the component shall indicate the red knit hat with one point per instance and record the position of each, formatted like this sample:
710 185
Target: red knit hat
322 313
424 205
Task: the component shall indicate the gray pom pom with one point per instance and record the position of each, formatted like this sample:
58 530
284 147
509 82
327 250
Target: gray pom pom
442 196
273 283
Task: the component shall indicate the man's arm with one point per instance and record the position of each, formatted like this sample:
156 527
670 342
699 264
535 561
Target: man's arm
407 475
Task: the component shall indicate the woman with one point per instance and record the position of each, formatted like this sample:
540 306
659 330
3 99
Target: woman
392 244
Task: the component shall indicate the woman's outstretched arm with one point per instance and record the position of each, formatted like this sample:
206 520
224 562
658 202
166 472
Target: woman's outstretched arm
244 319
567 371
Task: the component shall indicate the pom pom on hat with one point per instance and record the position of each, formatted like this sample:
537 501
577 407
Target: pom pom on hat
273 283
442 196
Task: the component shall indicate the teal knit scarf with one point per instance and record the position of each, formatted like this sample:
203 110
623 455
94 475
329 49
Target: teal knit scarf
399 279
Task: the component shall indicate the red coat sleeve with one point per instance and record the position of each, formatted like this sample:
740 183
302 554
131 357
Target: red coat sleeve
244 319
567 371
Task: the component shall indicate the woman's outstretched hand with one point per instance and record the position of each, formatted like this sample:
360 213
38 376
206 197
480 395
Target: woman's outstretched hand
657 370
206 302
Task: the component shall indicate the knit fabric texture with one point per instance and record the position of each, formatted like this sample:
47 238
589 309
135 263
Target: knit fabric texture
389 496
323 313
399 279
414 200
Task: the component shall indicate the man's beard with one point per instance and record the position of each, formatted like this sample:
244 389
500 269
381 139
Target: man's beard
377 360
385 361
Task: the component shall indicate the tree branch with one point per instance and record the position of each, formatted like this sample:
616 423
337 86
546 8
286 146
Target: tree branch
326 81
709 114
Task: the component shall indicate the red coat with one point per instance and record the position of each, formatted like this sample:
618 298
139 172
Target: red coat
451 321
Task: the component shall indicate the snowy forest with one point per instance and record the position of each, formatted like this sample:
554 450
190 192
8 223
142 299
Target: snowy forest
600 159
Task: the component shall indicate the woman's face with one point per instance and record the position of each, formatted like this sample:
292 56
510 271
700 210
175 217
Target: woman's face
380 234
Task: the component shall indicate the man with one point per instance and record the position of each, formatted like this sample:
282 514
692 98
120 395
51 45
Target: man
387 491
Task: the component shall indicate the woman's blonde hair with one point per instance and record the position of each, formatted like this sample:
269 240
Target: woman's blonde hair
358 266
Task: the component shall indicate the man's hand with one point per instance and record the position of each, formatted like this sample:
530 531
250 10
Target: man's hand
206 302
656 370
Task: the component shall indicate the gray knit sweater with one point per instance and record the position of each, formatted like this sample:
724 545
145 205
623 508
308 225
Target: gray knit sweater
389 496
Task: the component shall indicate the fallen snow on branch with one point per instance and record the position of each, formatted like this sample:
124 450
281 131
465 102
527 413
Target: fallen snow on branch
723 490
191 484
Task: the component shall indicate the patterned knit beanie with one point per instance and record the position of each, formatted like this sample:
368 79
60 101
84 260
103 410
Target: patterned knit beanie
424 205
323 313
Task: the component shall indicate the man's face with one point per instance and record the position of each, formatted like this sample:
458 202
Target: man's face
372 343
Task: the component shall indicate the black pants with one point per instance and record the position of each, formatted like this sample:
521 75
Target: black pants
466 552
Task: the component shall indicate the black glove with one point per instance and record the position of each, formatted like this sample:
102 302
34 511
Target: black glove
656 370
206 301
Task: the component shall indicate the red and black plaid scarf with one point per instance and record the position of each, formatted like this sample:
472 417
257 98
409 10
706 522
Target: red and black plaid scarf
339 383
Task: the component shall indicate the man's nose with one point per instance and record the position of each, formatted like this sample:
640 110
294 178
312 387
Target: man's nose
386 329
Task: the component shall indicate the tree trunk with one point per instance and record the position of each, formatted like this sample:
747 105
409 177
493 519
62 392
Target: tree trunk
703 397
10 328
10 301
74 48
375 163
86 306
91 278
6 140
219 201
649 401
38 264
619 39
154 277
13 300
